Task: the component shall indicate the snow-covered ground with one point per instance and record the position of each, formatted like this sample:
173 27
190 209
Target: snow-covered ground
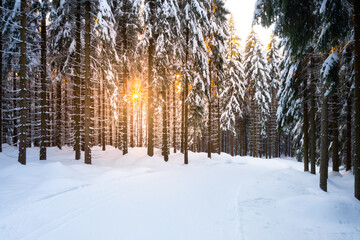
137 197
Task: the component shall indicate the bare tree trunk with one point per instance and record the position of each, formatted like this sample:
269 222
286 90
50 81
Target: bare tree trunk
77 84
232 144
58 114
174 116
125 77
44 104
357 99
245 138
348 131
1 78
150 110
218 124
23 89
306 129
141 126
210 115
186 113
110 128
335 133
132 125
87 144
15 122
312 128
240 137
324 142
165 149
182 120
103 114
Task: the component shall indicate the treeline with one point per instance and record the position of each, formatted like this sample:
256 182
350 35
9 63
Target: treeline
172 74
320 82
132 73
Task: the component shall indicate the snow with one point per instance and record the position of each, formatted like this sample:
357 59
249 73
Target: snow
137 197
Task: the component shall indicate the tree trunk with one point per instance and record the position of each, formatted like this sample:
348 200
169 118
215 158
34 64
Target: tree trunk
312 128
140 126
165 149
357 99
335 133
245 138
1 79
306 129
77 84
103 114
240 137
150 110
58 114
23 89
186 108
232 144
44 104
324 142
15 122
125 82
132 125
110 128
174 116
182 120
87 144
348 130
210 115
218 124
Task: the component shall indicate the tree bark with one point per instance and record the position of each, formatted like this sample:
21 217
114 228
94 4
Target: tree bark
210 115
335 133
165 149
1 78
125 81
58 114
150 110
348 130
103 114
312 128
174 116
44 104
186 108
218 124
357 99
23 89
306 129
87 144
324 142
182 120
77 84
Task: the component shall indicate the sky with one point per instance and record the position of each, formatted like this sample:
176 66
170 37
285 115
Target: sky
243 12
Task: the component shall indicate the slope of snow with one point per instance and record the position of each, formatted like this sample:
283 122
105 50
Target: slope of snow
137 197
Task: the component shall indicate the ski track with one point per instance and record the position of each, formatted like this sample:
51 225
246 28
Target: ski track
68 218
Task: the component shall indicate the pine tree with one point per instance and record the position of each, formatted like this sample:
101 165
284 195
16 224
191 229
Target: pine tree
257 81
194 23
234 89
273 59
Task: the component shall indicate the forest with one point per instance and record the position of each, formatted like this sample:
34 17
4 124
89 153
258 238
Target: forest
173 75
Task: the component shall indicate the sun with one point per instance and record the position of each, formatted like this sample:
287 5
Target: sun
135 96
